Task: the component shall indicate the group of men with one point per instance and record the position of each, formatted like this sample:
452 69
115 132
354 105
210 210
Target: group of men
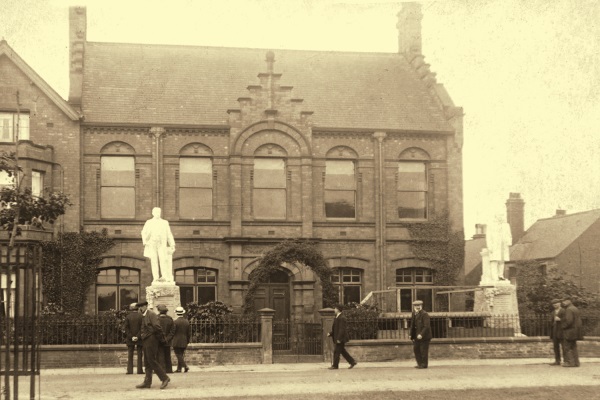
155 335
566 331
420 334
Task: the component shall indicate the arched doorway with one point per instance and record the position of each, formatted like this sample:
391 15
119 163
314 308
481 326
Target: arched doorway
275 294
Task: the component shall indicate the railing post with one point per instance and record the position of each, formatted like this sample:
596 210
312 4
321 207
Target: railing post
266 334
327 316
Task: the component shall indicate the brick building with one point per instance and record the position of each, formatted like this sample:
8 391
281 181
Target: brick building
243 148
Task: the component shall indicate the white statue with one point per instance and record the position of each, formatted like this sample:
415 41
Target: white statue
159 246
498 239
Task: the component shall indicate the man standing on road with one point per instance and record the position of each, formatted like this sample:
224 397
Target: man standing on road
164 349
181 338
339 334
152 335
556 331
133 326
420 334
572 331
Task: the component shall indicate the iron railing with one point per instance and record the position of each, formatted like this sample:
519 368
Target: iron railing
61 330
462 326
298 337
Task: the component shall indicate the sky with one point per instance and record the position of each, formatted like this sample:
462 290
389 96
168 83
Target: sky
526 72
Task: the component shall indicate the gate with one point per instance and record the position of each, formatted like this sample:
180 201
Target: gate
297 341
20 296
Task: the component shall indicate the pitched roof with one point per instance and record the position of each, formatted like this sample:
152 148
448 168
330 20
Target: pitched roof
192 85
548 237
6 50
472 261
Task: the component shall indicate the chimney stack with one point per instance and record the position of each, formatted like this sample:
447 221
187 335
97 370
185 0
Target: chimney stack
480 230
409 29
77 39
560 213
515 216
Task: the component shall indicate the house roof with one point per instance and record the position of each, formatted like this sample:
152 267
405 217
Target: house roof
472 265
192 85
6 50
548 237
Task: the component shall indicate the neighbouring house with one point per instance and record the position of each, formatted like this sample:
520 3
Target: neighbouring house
243 148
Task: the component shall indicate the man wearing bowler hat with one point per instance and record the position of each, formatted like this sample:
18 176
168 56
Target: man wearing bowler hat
152 334
339 334
556 331
572 331
133 325
420 334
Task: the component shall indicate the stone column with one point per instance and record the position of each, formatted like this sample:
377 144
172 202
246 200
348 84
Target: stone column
327 316
266 334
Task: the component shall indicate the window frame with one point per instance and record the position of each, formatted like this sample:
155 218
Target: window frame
132 186
337 279
425 191
354 189
118 285
182 188
196 283
260 188
24 134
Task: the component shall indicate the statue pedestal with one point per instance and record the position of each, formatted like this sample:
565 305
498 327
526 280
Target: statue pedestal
501 302
166 293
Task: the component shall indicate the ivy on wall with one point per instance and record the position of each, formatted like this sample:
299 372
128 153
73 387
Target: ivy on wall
291 251
70 266
434 242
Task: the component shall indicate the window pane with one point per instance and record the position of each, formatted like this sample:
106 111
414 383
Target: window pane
206 275
107 276
195 203
405 300
6 127
117 202
118 171
411 176
107 297
426 296
129 276
403 276
186 295
23 127
206 294
351 294
37 183
128 295
335 277
195 172
412 205
269 203
184 276
339 204
339 175
269 173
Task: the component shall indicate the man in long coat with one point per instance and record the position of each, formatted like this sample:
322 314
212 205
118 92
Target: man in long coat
133 327
556 331
420 334
339 334
573 331
164 349
152 335
181 338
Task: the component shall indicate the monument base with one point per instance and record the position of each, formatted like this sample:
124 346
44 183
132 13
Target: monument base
501 302
166 293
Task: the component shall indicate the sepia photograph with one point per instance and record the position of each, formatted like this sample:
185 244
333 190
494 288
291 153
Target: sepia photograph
335 199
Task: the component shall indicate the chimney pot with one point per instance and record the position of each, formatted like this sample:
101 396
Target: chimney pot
560 212
515 216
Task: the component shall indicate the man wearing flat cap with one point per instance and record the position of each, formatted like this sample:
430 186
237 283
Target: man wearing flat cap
556 331
420 334
152 334
164 348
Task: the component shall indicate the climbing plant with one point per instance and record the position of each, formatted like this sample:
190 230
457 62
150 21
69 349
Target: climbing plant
70 266
291 251
433 241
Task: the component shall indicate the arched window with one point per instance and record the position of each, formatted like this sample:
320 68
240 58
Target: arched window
117 288
412 278
196 285
340 189
269 194
117 192
349 284
195 188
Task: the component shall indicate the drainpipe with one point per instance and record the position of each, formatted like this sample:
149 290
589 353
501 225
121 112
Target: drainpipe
380 204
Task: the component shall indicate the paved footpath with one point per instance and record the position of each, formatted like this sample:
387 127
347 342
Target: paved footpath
313 379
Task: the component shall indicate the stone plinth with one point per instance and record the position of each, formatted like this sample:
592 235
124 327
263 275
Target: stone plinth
501 302
166 293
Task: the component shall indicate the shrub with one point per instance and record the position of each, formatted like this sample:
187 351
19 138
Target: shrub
362 321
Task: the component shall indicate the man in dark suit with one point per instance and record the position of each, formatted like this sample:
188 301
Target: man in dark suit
556 331
133 325
152 335
573 331
181 338
339 334
420 334
164 349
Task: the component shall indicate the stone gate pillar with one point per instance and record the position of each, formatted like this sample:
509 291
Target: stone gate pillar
327 316
266 334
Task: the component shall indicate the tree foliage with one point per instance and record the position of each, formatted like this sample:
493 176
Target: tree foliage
291 251
70 266
536 288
